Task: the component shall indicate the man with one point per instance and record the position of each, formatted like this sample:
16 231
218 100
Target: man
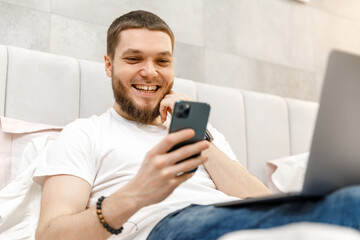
123 155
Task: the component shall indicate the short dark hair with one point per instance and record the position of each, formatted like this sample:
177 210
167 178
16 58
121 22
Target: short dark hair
135 19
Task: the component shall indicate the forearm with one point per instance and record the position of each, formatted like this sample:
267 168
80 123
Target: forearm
231 177
85 224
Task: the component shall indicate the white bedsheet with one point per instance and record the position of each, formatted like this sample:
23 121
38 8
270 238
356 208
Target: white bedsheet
297 231
20 200
20 207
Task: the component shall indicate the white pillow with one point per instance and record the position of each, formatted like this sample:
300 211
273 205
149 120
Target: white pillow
20 199
286 174
15 135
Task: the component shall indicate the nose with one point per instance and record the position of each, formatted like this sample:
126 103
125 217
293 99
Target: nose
149 70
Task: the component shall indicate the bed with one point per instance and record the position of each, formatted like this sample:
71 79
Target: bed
41 92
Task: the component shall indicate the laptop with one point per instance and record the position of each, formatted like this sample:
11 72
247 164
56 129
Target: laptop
334 160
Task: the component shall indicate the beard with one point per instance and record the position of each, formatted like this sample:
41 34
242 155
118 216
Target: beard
141 115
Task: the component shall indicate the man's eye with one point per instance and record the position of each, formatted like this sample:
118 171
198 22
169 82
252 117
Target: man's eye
164 61
132 59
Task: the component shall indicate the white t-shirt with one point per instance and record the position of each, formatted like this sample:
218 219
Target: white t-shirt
108 150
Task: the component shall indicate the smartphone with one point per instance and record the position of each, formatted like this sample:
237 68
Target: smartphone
194 115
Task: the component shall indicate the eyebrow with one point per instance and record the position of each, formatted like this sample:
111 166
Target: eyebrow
132 51
166 53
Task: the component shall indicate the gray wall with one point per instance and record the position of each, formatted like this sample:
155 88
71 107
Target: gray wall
273 46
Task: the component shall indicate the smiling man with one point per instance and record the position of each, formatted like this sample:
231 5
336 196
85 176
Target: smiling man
111 176
123 154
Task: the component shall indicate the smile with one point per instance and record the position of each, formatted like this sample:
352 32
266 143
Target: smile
146 88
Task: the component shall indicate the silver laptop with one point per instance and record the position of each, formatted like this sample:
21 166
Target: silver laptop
334 160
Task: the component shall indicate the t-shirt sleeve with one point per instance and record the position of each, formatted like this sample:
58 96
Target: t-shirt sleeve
72 153
221 142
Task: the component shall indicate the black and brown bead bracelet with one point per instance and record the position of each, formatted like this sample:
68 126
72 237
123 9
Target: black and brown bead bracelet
102 220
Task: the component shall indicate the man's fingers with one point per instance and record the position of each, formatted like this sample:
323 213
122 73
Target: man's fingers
186 151
162 110
167 104
171 140
188 165
163 113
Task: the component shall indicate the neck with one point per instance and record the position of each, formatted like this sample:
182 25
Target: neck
157 121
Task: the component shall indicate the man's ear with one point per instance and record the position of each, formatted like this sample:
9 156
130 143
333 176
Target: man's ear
108 65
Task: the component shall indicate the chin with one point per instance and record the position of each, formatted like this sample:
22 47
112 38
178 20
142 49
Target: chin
146 105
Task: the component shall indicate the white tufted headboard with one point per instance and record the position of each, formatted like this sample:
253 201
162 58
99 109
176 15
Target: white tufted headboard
46 88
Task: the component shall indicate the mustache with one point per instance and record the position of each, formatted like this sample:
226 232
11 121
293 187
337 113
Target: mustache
158 82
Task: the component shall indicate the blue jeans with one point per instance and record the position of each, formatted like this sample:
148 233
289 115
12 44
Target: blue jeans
341 207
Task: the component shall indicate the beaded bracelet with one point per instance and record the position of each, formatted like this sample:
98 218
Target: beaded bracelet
102 220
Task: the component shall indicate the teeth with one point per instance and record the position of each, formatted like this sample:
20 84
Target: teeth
145 87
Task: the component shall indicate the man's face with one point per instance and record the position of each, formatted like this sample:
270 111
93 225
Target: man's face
142 73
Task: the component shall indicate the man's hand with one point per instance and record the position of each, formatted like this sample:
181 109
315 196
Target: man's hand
160 173
167 104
